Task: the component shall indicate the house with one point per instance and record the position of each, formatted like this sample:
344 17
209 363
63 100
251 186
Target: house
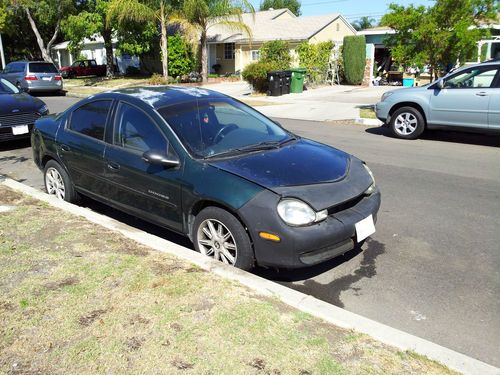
92 49
233 50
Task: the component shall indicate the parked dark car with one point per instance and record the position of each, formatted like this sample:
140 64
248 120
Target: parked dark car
18 112
242 188
83 68
33 76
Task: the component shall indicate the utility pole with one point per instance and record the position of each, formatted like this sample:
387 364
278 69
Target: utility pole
2 57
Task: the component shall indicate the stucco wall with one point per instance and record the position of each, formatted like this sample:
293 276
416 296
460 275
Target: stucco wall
330 32
227 66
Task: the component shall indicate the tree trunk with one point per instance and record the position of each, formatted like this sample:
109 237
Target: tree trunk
204 59
164 41
45 50
107 35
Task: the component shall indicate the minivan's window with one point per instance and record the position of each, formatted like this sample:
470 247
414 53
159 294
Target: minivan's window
15 68
215 127
134 130
7 88
473 78
90 118
42 68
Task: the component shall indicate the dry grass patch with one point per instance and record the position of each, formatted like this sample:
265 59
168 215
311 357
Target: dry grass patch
78 299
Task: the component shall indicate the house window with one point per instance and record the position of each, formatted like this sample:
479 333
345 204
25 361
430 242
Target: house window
255 54
229 51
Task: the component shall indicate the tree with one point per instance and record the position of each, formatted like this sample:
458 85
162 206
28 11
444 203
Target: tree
354 55
44 17
204 14
89 22
123 11
439 35
364 23
292 5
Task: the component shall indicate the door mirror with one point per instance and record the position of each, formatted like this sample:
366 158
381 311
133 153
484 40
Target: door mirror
156 158
440 84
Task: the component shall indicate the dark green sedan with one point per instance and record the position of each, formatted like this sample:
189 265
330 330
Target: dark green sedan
242 188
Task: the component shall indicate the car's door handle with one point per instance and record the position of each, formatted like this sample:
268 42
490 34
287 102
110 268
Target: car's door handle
113 166
482 93
65 148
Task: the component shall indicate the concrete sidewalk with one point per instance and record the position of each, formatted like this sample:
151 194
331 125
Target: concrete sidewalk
327 103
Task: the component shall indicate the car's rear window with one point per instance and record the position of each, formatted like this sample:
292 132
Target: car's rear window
42 68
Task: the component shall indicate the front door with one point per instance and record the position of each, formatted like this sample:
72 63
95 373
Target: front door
465 98
149 190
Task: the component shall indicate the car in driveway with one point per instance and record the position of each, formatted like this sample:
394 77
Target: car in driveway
18 112
34 76
83 68
468 99
242 188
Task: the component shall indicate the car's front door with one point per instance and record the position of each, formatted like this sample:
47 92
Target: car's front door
464 100
80 145
151 190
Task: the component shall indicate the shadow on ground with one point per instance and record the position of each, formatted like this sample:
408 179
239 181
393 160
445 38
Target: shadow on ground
446 136
15 144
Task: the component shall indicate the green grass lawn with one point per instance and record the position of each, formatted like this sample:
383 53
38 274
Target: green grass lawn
79 299
367 113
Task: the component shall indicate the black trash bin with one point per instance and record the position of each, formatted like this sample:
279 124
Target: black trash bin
287 81
274 81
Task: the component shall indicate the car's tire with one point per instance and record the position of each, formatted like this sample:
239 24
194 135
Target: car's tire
407 123
220 235
58 183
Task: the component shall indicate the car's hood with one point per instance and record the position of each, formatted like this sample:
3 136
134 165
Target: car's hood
303 162
13 103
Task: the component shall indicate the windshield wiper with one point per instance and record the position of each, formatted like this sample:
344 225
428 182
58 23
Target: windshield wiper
266 145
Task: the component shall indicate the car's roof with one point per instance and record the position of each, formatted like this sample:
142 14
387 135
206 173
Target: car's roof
160 96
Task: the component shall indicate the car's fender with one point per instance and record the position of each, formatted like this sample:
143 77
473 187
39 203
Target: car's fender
411 97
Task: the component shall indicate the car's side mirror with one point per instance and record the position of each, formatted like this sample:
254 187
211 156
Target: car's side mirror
156 158
440 84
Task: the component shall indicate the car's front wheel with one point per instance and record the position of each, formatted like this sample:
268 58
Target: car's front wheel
58 182
407 123
219 235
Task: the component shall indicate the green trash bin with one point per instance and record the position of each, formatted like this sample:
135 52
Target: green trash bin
297 84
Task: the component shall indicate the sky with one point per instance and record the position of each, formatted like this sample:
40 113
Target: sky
351 9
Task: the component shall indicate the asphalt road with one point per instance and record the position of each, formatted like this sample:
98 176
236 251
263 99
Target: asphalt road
433 267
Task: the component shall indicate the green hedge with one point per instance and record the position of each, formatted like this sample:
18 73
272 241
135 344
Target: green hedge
315 58
276 52
354 54
256 74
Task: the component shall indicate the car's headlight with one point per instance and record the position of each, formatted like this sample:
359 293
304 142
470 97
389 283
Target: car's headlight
372 187
386 95
297 213
43 110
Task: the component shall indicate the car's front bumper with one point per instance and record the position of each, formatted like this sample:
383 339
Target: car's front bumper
382 110
309 245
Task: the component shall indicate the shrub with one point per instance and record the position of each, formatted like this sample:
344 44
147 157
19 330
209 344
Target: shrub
315 58
256 74
158 80
276 52
180 56
354 54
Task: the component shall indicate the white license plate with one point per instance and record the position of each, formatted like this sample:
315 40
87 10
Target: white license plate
46 78
21 129
364 228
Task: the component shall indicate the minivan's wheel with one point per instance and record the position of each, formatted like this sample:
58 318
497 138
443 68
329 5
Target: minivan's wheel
58 183
220 235
407 123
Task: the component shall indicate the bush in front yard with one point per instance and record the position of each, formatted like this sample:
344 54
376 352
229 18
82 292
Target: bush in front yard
315 58
354 54
181 58
276 52
256 74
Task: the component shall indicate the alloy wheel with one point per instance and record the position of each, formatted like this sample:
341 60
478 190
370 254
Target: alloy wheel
406 123
216 241
54 183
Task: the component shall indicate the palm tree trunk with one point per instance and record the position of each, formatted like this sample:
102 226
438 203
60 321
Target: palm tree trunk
204 59
164 41
107 35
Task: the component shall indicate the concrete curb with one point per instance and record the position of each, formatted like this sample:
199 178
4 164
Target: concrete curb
320 309
368 121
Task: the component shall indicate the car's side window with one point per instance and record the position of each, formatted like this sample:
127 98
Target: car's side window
90 119
136 131
472 78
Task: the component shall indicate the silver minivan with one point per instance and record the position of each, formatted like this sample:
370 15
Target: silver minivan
33 76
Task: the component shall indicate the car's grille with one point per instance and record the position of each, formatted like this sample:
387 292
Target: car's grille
19 119
346 205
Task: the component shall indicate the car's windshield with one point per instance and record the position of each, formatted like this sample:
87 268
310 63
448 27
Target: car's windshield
218 126
7 88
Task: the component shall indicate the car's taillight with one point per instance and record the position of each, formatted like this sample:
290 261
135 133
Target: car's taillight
30 78
57 78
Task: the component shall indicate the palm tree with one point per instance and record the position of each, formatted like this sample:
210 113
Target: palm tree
364 23
204 14
142 11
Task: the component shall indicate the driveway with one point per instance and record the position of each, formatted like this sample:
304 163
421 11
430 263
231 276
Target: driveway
432 267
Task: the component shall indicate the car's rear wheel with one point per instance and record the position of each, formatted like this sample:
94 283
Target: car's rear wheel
219 235
407 123
58 182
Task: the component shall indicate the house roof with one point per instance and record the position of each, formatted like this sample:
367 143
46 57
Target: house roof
272 25
379 30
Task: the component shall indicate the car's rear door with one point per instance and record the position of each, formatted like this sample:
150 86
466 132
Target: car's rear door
464 100
494 111
80 145
149 190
